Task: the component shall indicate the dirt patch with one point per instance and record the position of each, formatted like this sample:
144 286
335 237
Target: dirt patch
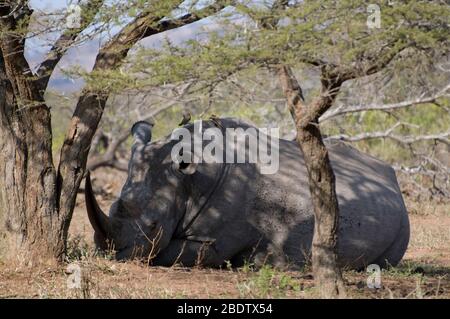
430 232
108 279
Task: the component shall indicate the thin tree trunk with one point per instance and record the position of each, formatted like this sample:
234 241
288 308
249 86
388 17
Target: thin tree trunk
327 275
75 150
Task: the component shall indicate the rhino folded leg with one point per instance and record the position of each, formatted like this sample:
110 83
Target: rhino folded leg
188 253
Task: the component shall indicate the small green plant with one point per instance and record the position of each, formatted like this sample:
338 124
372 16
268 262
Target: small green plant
268 282
247 267
78 249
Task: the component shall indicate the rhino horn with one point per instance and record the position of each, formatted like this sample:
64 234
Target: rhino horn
98 219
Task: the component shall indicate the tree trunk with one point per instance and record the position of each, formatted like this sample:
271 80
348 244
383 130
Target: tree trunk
327 275
28 198
75 150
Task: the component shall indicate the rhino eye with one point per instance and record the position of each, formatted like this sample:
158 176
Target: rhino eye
183 165
186 167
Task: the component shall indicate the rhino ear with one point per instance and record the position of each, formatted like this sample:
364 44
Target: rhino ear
142 132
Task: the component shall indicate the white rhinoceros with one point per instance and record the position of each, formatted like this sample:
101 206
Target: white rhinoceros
208 214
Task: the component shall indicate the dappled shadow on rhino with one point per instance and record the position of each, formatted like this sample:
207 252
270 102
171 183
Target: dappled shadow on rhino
174 212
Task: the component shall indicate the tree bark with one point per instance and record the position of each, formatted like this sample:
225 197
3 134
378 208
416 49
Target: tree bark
327 274
28 195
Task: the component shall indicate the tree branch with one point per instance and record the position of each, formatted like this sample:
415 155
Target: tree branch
385 107
371 64
60 47
12 43
329 90
407 140
146 25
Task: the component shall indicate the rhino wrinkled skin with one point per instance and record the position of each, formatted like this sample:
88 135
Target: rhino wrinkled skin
217 213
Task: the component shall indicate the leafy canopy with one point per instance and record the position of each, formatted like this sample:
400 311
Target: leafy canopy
333 35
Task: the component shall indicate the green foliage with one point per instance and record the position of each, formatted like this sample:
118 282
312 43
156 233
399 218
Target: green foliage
318 32
268 282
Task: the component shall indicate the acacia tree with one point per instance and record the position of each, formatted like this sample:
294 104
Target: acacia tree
37 197
352 51
339 39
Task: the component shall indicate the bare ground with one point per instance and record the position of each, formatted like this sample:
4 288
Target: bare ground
423 273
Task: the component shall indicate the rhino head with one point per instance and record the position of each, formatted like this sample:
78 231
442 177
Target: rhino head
143 219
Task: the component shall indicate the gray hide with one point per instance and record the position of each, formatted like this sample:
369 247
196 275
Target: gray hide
212 213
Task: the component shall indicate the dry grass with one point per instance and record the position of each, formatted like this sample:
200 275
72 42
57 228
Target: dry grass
108 279
424 272
430 231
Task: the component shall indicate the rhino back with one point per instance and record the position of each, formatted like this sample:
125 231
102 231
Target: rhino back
249 212
372 212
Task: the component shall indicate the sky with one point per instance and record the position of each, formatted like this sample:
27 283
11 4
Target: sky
83 55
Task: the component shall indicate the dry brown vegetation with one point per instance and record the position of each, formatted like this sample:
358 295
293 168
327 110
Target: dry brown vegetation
423 273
